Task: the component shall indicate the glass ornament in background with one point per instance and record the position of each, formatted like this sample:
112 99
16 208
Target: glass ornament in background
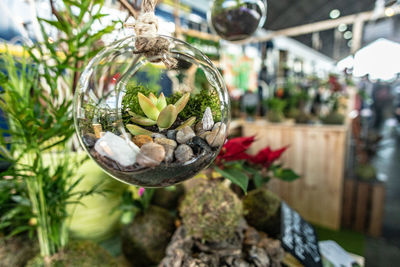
236 20
146 124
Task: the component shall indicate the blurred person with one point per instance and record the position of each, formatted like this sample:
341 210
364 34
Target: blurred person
382 101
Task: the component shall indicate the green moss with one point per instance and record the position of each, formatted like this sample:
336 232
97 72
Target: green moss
211 212
145 239
130 100
198 103
262 211
78 253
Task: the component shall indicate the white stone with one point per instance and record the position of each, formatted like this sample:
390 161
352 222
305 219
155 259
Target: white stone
116 148
208 121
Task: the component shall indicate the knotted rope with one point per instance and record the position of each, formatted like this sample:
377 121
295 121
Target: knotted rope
147 41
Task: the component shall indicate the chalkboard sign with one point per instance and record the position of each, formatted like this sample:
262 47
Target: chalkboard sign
299 238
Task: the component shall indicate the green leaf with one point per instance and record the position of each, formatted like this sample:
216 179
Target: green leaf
148 107
189 122
3 78
287 175
167 117
161 102
181 103
141 120
235 176
136 130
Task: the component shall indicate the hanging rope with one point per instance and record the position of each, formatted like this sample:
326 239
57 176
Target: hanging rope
147 41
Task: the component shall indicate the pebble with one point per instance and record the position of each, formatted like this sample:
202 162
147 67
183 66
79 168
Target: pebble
208 121
204 134
217 125
142 139
198 145
171 134
169 147
158 135
199 128
183 153
184 135
89 140
151 155
97 129
216 137
112 146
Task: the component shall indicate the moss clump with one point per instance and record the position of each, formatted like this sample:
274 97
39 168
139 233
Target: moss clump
16 251
78 253
145 239
198 103
168 197
262 211
211 212
333 118
130 100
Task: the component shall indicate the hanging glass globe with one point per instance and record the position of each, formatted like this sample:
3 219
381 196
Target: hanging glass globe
236 20
151 119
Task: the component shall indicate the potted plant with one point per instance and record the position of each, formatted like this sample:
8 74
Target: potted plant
36 101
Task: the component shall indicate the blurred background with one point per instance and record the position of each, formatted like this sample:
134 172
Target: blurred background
322 77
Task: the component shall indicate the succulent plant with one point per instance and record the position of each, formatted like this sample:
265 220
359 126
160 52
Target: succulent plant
157 112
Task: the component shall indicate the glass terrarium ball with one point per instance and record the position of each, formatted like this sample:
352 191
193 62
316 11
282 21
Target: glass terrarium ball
148 123
236 20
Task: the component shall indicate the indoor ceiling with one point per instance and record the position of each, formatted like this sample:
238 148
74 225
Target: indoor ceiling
288 13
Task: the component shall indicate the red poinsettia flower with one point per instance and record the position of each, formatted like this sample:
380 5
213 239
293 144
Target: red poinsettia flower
267 156
235 149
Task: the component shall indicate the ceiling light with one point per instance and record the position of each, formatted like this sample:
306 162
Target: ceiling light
342 27
348 35
389 12
334 14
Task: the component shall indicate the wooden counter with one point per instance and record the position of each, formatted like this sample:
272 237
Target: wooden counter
317 153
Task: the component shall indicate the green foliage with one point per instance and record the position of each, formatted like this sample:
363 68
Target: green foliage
211 212
15 210
38 105
236 176
275 104
198 103
130 101
131 206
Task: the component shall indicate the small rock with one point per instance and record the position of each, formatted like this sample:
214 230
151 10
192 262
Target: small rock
142 139
208 121
199 128
216 125
183 153
158 135
184 135
171 134
258 257
151 155
204 134
216 137
97 128
198 145
169 146
89 140
117 149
